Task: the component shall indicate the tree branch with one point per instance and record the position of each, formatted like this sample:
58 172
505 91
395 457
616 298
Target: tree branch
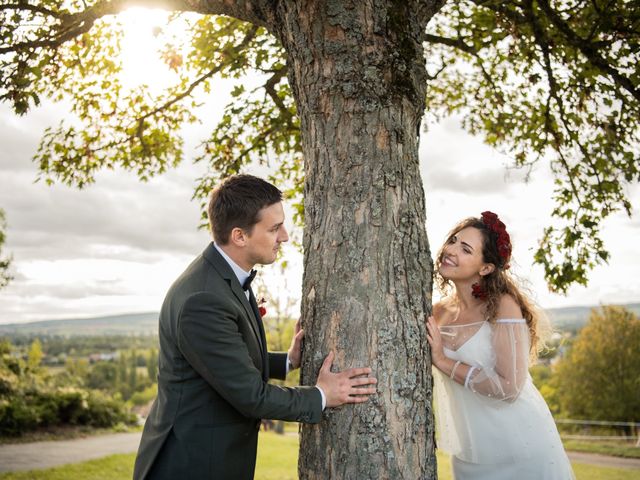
553 93
462 46
588 50
269 87
451 42
72 25
28 7
235 50
501 8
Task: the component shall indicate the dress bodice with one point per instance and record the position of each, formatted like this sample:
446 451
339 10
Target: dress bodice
474 350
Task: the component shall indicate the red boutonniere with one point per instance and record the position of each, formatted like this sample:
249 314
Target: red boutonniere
261 307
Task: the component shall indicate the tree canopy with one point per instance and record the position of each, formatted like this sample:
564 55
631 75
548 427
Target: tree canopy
544 81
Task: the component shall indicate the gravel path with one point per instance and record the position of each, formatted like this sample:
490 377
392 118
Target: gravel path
39 455
604 460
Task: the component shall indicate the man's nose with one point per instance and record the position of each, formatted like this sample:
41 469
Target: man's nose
284 235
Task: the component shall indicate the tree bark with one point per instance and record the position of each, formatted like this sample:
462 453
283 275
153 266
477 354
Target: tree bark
358 75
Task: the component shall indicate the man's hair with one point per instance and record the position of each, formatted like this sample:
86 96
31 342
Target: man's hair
237 202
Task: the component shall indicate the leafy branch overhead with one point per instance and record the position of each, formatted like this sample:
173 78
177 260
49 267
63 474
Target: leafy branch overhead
556 82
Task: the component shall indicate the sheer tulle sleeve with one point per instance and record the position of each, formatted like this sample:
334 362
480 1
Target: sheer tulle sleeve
505 376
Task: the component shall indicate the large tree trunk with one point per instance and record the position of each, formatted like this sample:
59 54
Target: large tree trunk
358 76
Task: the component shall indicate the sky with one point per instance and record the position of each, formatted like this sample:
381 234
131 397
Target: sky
116 246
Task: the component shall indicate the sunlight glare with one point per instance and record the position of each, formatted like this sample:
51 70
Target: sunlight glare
141 44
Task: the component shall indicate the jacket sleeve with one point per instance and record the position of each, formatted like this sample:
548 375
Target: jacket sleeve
209 338
278 365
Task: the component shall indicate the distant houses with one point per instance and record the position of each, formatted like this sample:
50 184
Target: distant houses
103 357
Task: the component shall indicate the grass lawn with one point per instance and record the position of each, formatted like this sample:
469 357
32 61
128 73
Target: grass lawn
277 460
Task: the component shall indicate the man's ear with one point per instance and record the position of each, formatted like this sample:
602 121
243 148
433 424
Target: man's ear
238 237
486 269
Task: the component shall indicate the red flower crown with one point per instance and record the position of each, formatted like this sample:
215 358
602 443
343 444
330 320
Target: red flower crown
503 240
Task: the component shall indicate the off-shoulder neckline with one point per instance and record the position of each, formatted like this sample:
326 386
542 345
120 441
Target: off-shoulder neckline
511 320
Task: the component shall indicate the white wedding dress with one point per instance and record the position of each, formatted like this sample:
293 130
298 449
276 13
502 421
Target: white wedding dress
497 426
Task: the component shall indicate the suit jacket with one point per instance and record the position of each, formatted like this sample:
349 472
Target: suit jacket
212 381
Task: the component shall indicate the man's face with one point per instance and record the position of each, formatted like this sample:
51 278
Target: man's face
263 243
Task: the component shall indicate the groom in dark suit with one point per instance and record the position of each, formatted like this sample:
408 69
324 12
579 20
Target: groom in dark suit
214 366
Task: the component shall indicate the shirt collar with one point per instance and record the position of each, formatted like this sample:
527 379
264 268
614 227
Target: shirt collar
240 273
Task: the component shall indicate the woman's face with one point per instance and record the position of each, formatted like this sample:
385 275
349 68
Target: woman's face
462 255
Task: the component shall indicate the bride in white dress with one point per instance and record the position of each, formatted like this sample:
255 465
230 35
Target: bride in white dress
491 418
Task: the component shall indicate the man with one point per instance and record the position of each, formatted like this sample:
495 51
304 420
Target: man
214 366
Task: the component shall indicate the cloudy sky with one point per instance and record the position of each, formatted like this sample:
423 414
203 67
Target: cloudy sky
116 246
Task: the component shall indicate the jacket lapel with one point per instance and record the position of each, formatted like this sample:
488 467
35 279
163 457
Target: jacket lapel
225 271
258 317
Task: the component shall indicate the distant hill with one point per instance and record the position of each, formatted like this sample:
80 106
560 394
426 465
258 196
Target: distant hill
126 324
574 318
565 319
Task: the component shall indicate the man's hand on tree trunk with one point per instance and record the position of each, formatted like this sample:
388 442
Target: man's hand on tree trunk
345 387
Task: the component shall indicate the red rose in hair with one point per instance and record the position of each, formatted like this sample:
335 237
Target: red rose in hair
489 217
503 240
478 291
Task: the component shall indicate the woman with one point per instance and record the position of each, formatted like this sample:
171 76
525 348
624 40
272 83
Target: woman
491 418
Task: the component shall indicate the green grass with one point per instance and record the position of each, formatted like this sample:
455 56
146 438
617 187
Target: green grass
589 472
582 471
277 457
277 460
113 467
617 449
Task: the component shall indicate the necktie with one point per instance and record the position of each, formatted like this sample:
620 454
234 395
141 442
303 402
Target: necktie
247 283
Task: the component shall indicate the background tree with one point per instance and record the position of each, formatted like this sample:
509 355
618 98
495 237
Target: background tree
152 365
5 262
77 368
599 379
133 371
123 377
103 376
539 80
34 356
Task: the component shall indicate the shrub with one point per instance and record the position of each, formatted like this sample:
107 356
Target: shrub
103 411
16 417
34 409
147 395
